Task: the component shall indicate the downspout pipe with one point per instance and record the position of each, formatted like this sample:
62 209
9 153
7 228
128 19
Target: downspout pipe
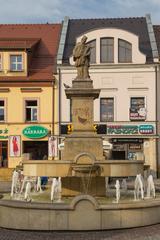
157 121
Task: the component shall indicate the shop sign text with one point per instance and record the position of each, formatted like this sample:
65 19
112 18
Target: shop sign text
4 133
137 114
130 129
119 129
35 132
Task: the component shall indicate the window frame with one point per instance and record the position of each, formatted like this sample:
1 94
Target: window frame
37 107
107 45
3 99
89 43
125 50
10 62
1 62
113 113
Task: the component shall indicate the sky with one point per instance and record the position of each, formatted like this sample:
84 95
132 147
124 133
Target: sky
54 11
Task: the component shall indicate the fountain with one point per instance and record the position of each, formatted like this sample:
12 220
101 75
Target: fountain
150 187
117 186
27 195
80 179
56 189
138 188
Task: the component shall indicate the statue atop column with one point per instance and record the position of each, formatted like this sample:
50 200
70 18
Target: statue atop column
81 56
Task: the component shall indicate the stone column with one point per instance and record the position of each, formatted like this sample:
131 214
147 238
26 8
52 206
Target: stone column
83 138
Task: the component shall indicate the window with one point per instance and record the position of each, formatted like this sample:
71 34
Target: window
70 110
4 153
93 51
137 102
124 51
2 110
107 50
31 110
0 62
137 108
16 63
107 109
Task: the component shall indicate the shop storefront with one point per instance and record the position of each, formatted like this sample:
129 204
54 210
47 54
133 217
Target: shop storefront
127 148
133 141
20 142
3 147
36 145
36 150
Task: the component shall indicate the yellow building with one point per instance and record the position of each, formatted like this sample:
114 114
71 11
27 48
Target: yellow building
27 57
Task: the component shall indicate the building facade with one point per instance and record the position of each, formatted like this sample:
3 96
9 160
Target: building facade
124 65
27 83
157 36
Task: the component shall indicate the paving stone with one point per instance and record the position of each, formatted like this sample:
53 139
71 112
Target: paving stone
143 233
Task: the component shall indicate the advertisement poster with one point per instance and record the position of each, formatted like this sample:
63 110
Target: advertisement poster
53 146
137 114
15 146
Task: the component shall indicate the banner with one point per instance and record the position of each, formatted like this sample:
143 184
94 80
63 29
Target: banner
15 146
53 146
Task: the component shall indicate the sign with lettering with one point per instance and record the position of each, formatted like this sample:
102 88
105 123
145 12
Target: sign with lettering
130 129
146 129
4 133
122 129
137 114
35 132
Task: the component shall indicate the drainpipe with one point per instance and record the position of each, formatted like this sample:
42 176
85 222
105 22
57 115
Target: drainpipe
157 140
59 107
59 97
53 107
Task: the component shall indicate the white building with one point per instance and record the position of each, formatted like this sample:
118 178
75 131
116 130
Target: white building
124 62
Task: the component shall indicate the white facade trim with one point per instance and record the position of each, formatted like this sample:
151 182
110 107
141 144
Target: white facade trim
137 56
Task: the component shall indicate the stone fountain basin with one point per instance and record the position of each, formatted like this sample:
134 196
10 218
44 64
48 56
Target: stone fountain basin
84 212
59 168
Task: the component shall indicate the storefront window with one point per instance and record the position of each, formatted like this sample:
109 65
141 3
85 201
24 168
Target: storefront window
3 153
31 110
37 150
2 110
127 149
107 109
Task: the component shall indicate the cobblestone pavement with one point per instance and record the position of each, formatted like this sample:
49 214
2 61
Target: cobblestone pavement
144 233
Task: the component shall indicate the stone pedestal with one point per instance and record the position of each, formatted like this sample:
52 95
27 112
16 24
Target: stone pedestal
83 139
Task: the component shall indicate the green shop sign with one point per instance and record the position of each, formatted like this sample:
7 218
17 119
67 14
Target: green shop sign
4 133
120 129
35 132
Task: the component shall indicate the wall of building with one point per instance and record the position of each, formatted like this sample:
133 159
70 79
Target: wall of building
15 117
120 83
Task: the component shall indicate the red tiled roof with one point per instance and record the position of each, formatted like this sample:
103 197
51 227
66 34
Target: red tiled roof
18 43
43 61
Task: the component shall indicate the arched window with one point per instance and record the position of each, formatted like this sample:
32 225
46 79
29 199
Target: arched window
107 50
124 51
93 51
